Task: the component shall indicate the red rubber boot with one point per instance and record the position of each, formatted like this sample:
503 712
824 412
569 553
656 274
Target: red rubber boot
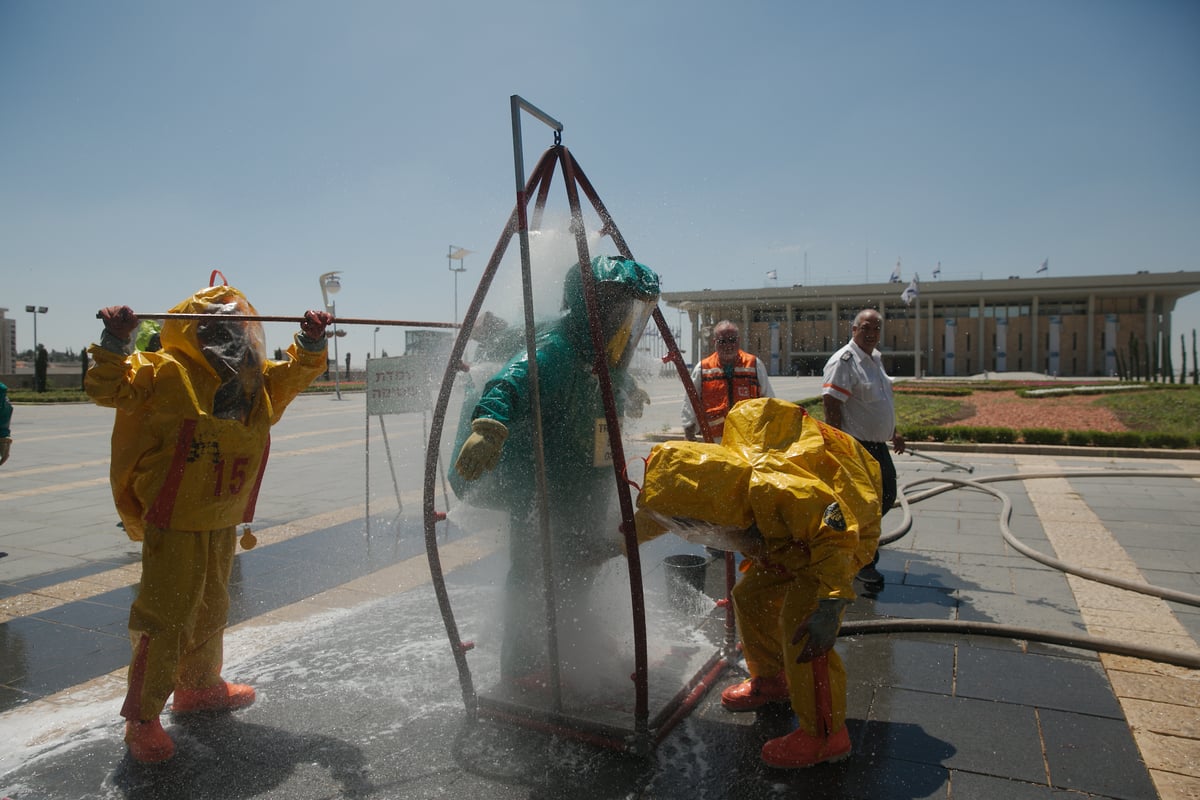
801 749
222 697
148 742
755 693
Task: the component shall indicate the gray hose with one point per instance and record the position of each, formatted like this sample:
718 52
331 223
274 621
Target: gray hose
1096 644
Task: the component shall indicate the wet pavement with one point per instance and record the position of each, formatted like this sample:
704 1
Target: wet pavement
359 696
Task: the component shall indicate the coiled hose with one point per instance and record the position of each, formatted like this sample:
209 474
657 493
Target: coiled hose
1082 642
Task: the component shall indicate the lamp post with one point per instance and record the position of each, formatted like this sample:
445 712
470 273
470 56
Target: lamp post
35 310
453 254
374 341
332 284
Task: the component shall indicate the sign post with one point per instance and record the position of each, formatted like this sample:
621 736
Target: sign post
396 385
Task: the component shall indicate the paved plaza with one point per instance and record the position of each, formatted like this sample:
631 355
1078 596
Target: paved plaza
336 623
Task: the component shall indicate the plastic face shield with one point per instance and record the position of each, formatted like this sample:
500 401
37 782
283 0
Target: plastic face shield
229 344
624 322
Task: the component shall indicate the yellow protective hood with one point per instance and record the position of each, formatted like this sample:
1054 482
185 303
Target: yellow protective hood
778 469
182 336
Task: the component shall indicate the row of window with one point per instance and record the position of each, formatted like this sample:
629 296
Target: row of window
1111 305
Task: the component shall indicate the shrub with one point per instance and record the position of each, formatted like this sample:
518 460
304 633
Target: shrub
1005 435
960 433
1116 439
1079 438
1171 441
924 433
935 392
1042 436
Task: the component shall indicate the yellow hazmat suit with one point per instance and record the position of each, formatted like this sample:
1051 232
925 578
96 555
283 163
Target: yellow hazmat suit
780 470
189 447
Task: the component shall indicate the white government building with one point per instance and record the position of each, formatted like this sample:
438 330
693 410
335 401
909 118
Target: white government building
1070 327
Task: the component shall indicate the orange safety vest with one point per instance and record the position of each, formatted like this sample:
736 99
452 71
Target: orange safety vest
718 394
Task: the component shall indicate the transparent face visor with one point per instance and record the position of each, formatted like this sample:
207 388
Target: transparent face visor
231 345
623 331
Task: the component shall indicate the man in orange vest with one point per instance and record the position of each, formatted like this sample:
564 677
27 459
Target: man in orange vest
725 377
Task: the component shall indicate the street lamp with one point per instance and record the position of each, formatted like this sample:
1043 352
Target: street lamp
456 253
332 284
374 341
35 310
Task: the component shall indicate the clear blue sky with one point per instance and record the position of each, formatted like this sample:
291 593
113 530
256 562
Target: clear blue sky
143 144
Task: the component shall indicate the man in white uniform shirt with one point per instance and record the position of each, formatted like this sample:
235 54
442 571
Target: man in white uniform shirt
857 396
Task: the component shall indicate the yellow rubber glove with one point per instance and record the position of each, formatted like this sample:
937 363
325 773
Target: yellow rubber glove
481 451
635 403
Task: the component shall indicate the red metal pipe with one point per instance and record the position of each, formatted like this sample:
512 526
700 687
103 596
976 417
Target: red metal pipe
277 318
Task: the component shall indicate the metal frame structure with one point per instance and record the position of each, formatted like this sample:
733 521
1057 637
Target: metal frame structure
645 732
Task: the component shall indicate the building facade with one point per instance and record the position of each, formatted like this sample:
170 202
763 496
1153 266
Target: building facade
1071 327
8 342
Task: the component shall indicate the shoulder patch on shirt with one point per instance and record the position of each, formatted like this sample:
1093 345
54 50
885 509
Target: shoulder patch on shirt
846 356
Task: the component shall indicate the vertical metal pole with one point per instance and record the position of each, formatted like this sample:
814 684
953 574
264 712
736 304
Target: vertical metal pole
337 365
516 104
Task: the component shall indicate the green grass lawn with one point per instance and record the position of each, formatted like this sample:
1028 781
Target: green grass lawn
1159 410
911 409
1170 409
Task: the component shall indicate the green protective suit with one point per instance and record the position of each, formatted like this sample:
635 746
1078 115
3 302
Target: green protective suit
190 444
580 485
6 410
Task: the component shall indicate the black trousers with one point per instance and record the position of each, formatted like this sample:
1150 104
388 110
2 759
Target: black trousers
880 452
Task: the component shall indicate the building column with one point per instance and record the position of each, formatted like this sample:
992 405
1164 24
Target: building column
694 321
1151 331
1091 335
834 344
917 340
788 311
929 332
1168 311
1036 366
980 350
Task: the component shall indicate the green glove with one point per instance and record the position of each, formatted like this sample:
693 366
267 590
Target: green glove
481 451
821 628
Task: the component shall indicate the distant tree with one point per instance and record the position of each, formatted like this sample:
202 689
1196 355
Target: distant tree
40 364
1135 368
1195 370
1182 359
